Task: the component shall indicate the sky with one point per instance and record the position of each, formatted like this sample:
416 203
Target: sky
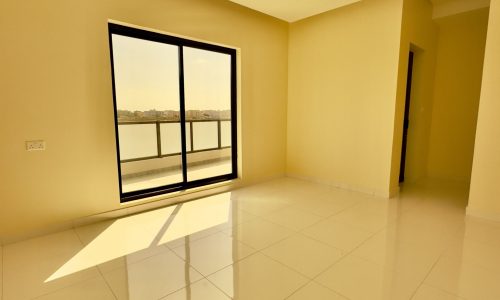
147 76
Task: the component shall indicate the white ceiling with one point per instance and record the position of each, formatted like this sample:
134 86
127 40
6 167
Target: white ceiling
293 10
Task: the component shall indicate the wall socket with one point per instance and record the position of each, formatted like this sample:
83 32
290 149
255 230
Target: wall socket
38 145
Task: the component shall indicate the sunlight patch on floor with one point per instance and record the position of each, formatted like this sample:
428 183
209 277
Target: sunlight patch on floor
149 229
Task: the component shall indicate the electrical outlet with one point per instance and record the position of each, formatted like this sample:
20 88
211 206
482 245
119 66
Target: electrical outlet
35 145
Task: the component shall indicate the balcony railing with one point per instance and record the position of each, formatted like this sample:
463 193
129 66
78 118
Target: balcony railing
141 140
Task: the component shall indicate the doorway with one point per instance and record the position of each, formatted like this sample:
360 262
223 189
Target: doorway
406 121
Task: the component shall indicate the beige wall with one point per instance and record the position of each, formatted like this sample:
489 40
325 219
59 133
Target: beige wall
419 34
459 68
484 197
342 87
55 85
344 73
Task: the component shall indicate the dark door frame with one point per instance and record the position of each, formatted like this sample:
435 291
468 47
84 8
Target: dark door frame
406 121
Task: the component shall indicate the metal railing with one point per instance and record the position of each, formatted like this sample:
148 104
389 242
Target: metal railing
189 128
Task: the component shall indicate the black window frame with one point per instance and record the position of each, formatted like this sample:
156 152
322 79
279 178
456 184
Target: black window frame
132 32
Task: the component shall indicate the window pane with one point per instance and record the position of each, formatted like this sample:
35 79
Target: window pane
171 138
137 141
151 85
189 130
207 84
226 133
146 78
205 135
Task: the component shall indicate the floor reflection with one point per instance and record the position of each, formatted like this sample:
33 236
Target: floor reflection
284 239
146 231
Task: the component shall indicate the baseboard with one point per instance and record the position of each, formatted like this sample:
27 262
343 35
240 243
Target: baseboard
348 187
29 234
128 209
394 191
470 212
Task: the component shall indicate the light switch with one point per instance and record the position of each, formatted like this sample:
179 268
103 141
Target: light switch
37 145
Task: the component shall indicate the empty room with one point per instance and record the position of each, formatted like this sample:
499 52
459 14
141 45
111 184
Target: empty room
250 149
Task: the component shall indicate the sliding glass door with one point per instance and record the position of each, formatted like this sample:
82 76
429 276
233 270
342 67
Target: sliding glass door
207 82
175 112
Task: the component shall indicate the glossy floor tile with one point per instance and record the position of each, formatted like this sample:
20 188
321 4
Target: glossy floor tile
427 292
200 290
258 277
339 235
282 239
95 288
465 278
292 217
152 278
28 265
315 291
259 234
356 278
400 256
213 253
305 255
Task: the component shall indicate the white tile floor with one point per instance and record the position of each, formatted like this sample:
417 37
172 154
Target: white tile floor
284 239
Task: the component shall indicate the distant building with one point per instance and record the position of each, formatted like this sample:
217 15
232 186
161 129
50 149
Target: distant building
171 115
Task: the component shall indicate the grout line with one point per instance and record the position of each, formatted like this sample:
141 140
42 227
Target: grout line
231 264
427 275
70 285
228 266
179 289
300 232
206 277
446 292
341 259
357 247
217 287
299 288
309 279
97 267
194 268
297 230
78 237
107 283
64 287
171 248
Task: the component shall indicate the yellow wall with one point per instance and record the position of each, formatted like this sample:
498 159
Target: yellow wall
344 73
342 87
484 199
419 34
55 84
456 95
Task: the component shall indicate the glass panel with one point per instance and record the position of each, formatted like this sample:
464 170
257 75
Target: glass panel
137 141
205 135
207 85
188 137
225 133
171 138
146 77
